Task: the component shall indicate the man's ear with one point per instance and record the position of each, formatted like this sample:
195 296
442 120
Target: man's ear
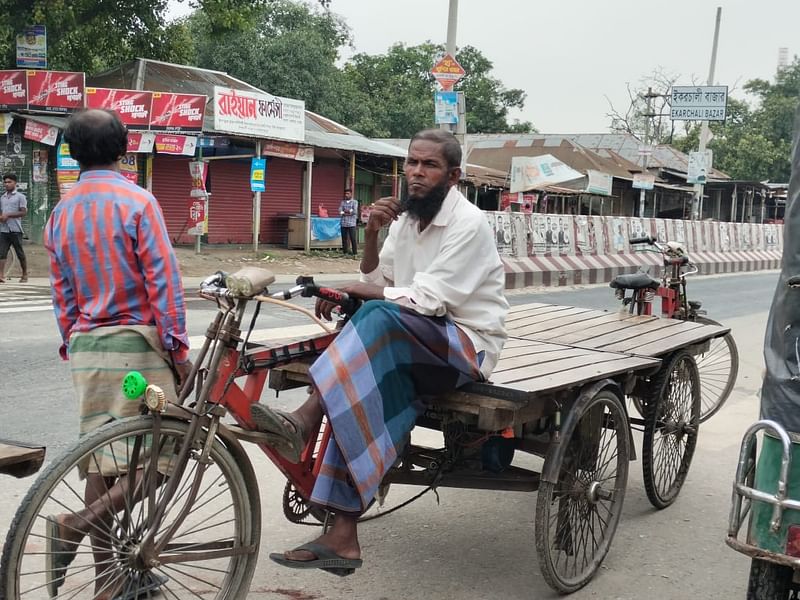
455 176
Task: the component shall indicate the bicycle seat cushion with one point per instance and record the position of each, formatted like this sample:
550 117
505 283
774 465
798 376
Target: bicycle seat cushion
637 281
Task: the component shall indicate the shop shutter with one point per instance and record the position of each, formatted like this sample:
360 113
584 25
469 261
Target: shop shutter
230 213
172 185
284 197
327 188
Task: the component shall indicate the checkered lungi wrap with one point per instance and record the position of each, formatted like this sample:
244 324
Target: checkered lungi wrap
373 380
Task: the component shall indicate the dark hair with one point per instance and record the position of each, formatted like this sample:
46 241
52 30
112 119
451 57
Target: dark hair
347 190
12 176
96 137
451 149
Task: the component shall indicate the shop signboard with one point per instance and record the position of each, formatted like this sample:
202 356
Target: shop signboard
141 141
259 115
133 106
287 150
698 103
129 168
55 91
183 145
64 161
644 181
179 113
13 90
32 47
599 183
39 132
197 216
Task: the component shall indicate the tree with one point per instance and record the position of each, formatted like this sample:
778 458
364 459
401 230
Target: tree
634 119
399 87
288 49
93 35
755 141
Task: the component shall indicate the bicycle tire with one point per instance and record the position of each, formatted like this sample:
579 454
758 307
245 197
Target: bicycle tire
670 429
234 470
588 498
715 385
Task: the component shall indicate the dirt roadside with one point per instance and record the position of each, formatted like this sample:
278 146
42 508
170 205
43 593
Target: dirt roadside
278 260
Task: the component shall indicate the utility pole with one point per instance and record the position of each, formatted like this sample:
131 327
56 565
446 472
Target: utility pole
645 155
461 127
697 201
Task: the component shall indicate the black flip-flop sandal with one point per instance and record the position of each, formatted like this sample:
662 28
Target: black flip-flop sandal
58 556
285 432
327 560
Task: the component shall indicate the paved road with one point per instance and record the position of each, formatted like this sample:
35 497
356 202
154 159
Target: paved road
473 545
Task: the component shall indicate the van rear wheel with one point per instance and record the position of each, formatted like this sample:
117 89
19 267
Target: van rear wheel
769 581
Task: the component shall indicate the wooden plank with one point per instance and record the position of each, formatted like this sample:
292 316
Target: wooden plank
12 454
525 307
565 365
540 310
541 357
578 374
623 333
550 320
689 333
573 334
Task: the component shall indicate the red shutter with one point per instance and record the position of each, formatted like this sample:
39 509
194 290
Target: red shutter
284 196
172 186
230 207
327 187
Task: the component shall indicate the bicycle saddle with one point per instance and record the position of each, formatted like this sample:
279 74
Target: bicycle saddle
249 281
637 281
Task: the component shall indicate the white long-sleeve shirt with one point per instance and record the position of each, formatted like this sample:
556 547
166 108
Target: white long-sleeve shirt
451 268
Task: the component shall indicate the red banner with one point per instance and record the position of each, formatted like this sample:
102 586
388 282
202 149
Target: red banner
55 91
141 141
176 144
39 132
133 106
177 112
13 90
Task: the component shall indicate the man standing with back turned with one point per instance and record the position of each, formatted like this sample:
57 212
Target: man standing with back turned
434 321
118 300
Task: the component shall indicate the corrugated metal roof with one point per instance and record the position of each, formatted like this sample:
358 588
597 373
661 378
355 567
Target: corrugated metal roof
184 79
49 120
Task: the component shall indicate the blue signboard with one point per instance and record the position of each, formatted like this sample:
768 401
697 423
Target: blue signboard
258 175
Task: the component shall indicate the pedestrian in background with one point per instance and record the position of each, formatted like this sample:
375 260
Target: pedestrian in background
13 206
348 211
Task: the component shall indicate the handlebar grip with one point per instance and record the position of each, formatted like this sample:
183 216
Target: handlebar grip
642 240
348 305
793 281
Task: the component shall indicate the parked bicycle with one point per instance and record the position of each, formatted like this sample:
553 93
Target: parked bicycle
719 364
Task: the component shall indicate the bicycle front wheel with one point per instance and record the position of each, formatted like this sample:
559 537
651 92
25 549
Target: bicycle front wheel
718 368
206 543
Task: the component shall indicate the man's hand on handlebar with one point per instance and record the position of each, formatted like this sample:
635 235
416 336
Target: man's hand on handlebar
358 290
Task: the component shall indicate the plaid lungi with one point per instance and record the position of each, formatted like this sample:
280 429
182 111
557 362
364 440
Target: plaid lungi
99 360
373 381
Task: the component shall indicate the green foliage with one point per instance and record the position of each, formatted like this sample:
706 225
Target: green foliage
755 142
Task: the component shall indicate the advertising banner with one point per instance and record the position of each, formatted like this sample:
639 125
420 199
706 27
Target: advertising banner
447 72
197 216
258 175
599 183
39 132
32 47
13 90
199 173
141 142
532 172
446 108
133 106
259 115
55 91
176 144
65 162
644 181
177 112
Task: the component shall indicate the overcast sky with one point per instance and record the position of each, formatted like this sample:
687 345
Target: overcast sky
568 55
